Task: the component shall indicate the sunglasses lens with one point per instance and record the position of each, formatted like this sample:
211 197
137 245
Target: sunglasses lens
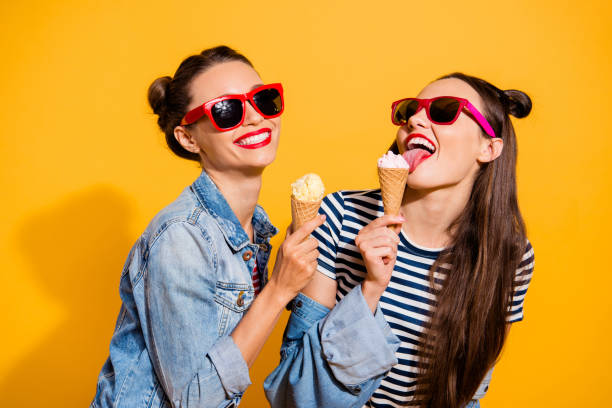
227 113
444 110
269 101
404 110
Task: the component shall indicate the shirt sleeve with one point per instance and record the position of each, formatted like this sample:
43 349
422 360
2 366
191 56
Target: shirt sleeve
328 234
195 367
332 358
522 279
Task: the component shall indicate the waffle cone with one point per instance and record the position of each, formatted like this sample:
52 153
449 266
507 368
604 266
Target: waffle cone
303 211
392 185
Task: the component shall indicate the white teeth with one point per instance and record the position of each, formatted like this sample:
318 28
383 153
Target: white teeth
422 141
253 139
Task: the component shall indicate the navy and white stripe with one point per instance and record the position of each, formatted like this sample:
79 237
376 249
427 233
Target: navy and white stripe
408 300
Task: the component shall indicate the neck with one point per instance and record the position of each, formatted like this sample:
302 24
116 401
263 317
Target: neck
241 192
430 214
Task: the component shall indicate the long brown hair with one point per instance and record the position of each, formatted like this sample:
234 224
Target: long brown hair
468 326
169 97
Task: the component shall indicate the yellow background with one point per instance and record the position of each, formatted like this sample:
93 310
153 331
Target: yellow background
84 168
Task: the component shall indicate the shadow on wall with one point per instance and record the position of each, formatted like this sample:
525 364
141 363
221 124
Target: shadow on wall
76 249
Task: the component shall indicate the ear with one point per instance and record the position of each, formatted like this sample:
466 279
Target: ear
186 139
490 149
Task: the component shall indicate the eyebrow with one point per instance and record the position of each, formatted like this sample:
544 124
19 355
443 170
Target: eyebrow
253 87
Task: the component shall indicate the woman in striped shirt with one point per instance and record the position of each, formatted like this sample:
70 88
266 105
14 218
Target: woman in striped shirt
417 318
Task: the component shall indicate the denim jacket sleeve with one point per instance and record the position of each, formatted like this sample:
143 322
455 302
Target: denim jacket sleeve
332 358
195 366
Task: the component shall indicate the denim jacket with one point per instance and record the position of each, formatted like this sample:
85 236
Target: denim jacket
337 358
184 287
332 358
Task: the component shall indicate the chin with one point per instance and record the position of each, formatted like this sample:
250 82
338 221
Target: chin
421 185
261 161
424 180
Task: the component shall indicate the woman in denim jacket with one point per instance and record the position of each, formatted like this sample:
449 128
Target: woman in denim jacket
419 318
197 305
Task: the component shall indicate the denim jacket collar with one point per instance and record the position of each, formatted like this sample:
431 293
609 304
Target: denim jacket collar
211 198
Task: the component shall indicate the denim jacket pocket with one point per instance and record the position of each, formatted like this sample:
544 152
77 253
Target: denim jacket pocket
234 299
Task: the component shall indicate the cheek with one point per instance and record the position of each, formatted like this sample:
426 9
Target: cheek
458 154
400 139
456 151
276 127
459 143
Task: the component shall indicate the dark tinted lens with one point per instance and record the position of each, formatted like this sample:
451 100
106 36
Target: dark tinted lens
444 110
404 110
227 113
269 101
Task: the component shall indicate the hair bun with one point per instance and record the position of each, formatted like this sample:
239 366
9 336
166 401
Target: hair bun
518 103
157 94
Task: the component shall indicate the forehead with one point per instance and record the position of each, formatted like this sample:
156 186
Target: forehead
233 77
451 87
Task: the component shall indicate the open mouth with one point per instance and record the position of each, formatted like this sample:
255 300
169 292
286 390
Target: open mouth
418 149
255 140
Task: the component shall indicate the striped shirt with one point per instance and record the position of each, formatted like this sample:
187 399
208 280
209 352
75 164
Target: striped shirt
256 281
408 299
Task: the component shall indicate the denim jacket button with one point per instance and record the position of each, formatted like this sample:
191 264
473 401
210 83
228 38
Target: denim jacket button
240 301
298 303
247 255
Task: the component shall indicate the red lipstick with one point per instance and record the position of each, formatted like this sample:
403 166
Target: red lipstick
257 145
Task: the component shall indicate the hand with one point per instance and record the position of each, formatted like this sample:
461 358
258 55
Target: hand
296 261
378 246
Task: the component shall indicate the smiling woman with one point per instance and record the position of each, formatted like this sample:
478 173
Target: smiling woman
417 318
197 302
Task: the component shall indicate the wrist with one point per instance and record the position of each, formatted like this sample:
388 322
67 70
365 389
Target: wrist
371 293
372 288
278 296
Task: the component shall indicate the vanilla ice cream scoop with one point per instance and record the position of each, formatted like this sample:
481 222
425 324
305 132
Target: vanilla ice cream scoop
309 188
391 160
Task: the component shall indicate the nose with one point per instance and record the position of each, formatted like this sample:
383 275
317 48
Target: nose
251 116
418 120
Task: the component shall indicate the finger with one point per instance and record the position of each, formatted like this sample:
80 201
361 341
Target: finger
306 229
395 228
311 257
289 230
378 253
388 259
394 235
376 233
377 242
366 235
385 220
306 246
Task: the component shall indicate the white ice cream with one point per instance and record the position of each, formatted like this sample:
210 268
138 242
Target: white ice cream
391 160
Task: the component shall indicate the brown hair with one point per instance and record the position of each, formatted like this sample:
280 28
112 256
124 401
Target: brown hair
170 96
468 326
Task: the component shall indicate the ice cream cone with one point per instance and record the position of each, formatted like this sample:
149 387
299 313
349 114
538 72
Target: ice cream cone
392 185
303 211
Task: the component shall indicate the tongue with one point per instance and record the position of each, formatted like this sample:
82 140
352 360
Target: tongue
415 157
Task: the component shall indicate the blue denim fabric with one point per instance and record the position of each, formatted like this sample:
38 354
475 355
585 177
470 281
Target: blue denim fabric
185 286
332 358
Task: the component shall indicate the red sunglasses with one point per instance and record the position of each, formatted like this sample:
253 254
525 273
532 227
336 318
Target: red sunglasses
442 110
227 112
